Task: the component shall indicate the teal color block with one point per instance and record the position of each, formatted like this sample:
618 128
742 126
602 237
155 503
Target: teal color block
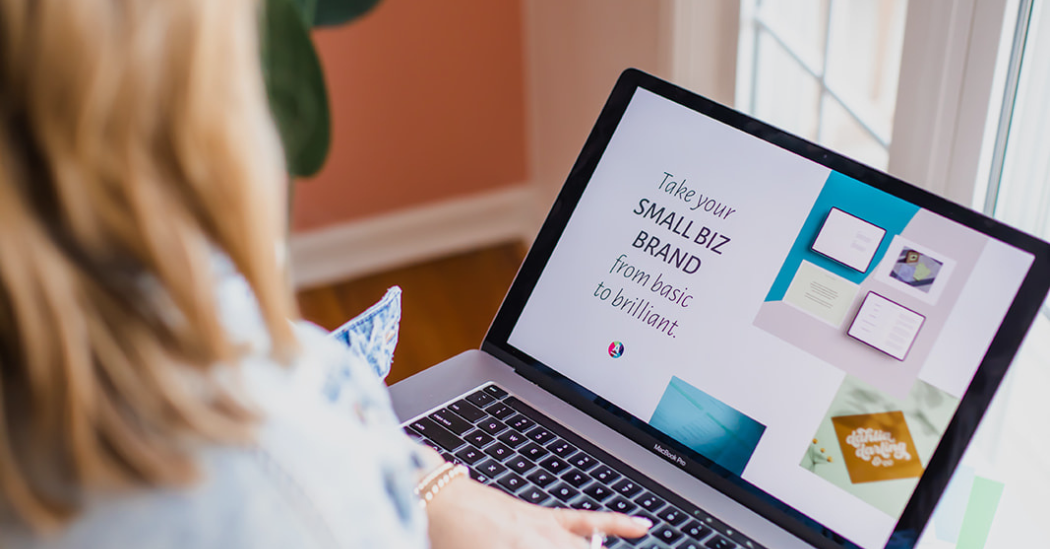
855 198
707 425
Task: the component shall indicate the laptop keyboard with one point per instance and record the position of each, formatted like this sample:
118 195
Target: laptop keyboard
507 444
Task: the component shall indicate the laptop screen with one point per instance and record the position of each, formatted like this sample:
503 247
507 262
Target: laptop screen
806 334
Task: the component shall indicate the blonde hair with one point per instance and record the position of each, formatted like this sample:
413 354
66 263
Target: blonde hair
135 140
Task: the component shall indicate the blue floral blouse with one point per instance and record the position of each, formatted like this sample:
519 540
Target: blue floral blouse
329 468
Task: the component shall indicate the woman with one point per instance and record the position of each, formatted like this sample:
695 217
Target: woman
152 391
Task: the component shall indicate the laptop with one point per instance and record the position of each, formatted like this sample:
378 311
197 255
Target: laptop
743 336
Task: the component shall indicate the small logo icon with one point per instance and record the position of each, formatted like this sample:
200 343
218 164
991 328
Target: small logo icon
615 349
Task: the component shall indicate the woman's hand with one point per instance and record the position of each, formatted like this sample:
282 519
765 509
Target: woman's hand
467 514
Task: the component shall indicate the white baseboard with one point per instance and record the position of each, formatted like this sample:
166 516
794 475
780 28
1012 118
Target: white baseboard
413 235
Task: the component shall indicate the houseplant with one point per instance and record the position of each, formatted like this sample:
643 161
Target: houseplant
295 82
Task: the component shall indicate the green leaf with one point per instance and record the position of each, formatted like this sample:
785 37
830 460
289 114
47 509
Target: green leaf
307 9
295 87
337 12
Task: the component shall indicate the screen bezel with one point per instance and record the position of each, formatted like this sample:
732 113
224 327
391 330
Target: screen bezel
960 430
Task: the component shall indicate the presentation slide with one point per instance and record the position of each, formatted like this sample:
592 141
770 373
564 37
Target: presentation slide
785 321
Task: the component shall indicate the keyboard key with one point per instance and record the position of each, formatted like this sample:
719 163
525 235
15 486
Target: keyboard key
542 478
512 438
696 530
500 410
672 515
533 494
564 492
533 451
587 504
649 502
575 477
621 505
598 492
478 476
480 398
491 426
719 542
511 482
451 421
649 543
627 488
604 474
436 433
561 448
520 465
495 391
499 451
666 534
688 544
478 438
491 467
521 423
582 461
469 455
554 464
541 435
467 410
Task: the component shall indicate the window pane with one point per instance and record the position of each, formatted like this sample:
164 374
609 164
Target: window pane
785 95
800 24
841 132
864 57
842 93
1024 192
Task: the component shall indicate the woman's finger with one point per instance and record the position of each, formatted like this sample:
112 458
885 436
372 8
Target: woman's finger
585 523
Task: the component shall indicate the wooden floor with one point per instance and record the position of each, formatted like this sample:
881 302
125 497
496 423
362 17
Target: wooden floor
447 304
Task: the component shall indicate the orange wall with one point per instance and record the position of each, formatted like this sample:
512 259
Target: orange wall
428 103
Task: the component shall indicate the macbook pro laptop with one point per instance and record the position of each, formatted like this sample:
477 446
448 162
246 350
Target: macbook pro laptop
747 338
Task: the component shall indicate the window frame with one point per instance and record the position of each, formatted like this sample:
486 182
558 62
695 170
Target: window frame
949 94
949 91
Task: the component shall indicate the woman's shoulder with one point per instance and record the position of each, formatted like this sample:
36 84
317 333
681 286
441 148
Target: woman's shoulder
328 467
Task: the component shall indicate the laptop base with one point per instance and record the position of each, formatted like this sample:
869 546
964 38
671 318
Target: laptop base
434 387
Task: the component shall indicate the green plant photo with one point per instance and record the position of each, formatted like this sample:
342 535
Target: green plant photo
295 83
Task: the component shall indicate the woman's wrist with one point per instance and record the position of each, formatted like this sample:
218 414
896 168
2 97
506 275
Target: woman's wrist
429 461
433 483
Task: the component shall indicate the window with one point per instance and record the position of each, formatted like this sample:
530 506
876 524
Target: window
824 69
1019 183
903 86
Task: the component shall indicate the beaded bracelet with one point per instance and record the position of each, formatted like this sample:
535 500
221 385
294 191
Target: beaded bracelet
436 480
